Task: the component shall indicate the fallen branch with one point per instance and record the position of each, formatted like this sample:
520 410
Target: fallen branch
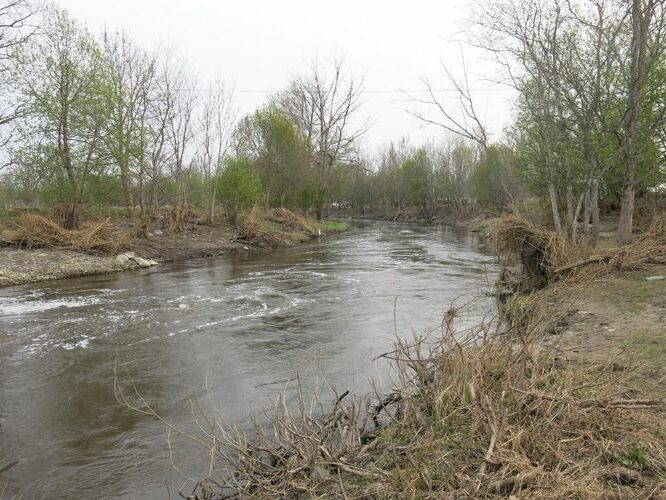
513 483
591 260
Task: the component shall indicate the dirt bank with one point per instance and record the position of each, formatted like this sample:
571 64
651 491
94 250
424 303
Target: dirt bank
618 319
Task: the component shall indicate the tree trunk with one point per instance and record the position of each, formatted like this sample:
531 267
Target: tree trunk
553 207
640 20
587 211
626 225
570 212
594 206
71 215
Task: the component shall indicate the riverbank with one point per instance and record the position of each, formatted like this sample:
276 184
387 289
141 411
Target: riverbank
113 244
565 397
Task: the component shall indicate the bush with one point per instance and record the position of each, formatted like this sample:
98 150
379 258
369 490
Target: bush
238 187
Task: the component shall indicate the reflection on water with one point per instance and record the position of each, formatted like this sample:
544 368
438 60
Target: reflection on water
228 331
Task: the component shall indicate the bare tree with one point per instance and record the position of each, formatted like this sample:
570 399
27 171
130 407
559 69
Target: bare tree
180 102
216 121
323 107
562 58
463 121
460 119
16 27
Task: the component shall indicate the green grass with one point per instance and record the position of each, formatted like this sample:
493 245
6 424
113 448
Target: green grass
101 211
332 226
270 227
13 215
649 347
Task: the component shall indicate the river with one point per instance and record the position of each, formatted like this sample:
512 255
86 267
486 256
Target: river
228 332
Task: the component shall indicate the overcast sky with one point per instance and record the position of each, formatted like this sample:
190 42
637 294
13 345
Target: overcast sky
257 45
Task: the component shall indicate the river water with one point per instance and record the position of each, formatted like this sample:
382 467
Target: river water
228 332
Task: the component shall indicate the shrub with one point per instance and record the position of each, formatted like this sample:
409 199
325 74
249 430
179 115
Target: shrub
238 187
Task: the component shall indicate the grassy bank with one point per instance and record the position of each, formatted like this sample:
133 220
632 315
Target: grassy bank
35 248
562 397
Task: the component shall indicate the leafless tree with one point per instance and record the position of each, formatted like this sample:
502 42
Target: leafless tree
216 121
461 119
323 106
17 19
179 104
562 58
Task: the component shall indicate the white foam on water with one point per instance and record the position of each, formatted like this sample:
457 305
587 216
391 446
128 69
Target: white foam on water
21 306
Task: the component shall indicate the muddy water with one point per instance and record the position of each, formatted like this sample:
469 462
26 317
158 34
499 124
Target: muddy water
228 332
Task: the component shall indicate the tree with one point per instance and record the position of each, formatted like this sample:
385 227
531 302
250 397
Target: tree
270 141
648 42
214 133
130 75
178 108
15 30
323 106
416 173
568 62
493 180
59 74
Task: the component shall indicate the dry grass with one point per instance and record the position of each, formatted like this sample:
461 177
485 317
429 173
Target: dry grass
540 250
275 227
478 414
546 255
648 248
36 231
484 419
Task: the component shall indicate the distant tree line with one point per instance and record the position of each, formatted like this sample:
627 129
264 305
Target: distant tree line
98 119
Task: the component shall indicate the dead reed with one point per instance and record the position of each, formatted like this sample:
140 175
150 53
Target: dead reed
275 227
36 231
546 255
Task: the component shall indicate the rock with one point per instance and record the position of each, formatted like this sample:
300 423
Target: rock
123 259
127 258
141 262
655 278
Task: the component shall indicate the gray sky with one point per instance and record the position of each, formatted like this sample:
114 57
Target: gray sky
257 45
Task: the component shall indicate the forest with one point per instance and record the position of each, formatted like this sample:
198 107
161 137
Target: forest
94 120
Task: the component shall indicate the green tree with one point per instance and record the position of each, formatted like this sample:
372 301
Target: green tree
416 174
493 179
130 74
59 73
270 141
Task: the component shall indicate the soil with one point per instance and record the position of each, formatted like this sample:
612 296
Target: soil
620 320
